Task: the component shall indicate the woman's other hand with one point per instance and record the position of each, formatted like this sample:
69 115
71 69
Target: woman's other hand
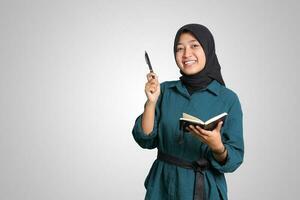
211 138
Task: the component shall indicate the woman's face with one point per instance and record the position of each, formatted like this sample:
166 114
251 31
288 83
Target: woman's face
190 56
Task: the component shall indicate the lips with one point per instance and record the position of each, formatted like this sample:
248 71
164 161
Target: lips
189 62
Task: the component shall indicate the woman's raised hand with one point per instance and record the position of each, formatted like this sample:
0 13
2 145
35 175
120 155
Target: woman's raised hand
152 88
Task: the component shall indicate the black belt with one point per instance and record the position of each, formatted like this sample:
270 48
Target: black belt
198 166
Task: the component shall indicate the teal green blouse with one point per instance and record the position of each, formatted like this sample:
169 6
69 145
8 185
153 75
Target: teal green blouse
166 181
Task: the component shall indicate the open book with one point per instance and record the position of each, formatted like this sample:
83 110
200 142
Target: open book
210 124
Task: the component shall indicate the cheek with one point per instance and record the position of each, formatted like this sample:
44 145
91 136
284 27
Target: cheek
203 61
202 58
178 60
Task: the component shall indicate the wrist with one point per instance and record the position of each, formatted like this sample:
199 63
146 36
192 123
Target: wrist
150 104
219 151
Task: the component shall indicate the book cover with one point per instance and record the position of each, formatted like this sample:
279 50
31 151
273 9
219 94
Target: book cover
210 124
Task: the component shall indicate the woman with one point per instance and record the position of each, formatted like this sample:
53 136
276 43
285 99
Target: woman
191 164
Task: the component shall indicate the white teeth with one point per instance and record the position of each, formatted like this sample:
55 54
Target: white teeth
189 62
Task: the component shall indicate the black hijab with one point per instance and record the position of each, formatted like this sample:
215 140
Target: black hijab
212 69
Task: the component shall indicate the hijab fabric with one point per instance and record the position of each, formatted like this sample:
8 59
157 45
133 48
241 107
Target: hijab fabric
212 69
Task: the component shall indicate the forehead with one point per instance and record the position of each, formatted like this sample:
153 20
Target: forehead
186 38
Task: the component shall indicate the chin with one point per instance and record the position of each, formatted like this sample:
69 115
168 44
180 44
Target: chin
189 72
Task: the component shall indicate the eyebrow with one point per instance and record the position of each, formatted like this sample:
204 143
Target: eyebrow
179 43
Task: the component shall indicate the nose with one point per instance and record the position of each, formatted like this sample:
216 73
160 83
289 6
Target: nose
187 52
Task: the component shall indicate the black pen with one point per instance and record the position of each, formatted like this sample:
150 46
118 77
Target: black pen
149 63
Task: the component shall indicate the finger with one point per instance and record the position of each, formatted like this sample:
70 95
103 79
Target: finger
152 81
193 129
203 131
219 126
147 90
151 76
149 87
189 130
152 89
200 137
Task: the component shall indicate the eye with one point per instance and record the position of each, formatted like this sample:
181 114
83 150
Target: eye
178 49
195 45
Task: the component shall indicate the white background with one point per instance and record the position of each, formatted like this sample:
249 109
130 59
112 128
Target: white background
72 75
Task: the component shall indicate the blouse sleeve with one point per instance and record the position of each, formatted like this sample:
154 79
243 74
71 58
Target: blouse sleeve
149 141
232 138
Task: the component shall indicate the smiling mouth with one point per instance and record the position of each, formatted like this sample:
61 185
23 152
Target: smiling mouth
190 62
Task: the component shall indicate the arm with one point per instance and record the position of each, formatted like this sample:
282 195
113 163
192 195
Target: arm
212 139
148 117
145 128
232 138
152 90
225 150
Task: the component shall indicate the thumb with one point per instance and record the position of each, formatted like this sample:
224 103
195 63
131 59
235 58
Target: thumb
219 126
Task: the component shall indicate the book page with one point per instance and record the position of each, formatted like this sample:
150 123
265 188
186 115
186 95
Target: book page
215 118
192 118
